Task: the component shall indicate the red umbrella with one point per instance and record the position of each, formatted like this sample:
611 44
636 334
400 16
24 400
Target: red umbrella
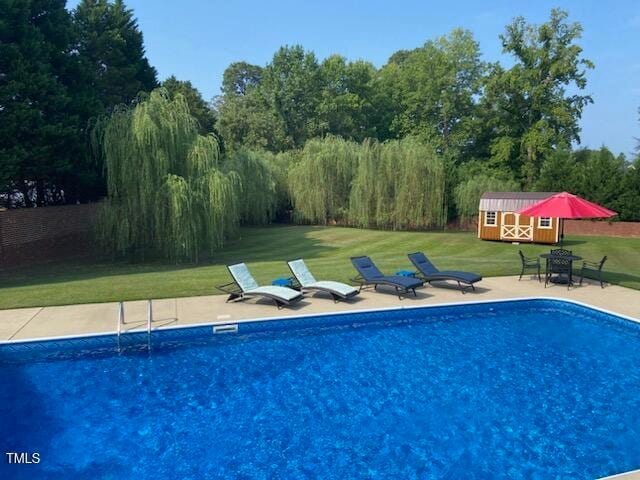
566 205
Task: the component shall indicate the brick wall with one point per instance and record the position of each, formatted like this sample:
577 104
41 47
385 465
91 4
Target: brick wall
602 228
34 235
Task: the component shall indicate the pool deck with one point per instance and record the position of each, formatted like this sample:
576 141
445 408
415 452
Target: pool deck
99 318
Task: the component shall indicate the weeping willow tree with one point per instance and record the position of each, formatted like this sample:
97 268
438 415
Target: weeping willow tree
399 185
280 164
364 202
420 199
259 197
320 182
166 191
467 194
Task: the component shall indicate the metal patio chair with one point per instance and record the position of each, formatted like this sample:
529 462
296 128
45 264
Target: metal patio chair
594 268
529 263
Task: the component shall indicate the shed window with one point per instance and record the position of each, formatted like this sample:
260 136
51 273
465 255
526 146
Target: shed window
544 222
490 219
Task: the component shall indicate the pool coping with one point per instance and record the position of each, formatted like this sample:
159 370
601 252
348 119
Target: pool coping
630 475
315 315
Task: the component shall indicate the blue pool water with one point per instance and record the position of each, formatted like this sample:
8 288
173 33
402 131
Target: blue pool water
518 390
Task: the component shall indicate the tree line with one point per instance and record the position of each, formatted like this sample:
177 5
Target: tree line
495 128
60 71
186 198
437 117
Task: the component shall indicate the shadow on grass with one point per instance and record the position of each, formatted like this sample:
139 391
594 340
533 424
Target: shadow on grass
268 244
618 278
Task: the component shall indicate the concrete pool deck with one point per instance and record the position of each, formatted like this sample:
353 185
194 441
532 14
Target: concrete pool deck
44 322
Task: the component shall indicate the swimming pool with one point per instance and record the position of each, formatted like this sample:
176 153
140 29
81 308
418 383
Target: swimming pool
519 389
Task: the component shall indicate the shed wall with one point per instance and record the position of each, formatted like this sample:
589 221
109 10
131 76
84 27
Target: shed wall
490 232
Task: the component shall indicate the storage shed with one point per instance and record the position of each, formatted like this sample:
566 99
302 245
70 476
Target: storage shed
498 219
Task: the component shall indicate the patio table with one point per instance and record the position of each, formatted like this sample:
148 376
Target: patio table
560 279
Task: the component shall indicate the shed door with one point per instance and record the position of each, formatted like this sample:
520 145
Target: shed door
513 229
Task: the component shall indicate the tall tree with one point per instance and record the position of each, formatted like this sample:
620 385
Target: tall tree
240 77
434 87
38 129
346 103
560 172
291 85
247 120
527 107
198 108
111 42
627 203
274 107
599 175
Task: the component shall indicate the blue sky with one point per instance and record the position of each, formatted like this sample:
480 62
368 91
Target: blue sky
197 39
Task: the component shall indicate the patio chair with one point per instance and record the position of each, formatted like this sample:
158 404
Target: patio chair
594 268
529 263
305 281
559 266
244 286
428 272
368 274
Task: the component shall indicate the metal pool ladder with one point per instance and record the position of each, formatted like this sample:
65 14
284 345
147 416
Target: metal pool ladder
121 322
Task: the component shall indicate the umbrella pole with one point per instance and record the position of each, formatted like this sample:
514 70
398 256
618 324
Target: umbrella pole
561 232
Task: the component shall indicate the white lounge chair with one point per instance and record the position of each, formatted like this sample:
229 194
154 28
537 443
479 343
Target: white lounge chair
307 282
244 285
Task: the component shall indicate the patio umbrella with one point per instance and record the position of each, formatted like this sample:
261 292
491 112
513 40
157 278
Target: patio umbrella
566 205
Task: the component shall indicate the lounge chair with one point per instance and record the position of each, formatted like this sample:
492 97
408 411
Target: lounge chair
307 282
244 285
368 274
429 273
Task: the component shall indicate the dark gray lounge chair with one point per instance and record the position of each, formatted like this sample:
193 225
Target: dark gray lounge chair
307 282
368 274
244 285
429 273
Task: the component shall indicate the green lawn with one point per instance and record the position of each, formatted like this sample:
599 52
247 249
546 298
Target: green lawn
326 250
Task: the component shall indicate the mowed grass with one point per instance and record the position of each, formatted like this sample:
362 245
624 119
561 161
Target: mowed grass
325 249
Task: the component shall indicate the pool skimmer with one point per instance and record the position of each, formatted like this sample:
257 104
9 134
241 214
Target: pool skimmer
229 328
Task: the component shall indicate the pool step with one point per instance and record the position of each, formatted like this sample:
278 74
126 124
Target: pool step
229 328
